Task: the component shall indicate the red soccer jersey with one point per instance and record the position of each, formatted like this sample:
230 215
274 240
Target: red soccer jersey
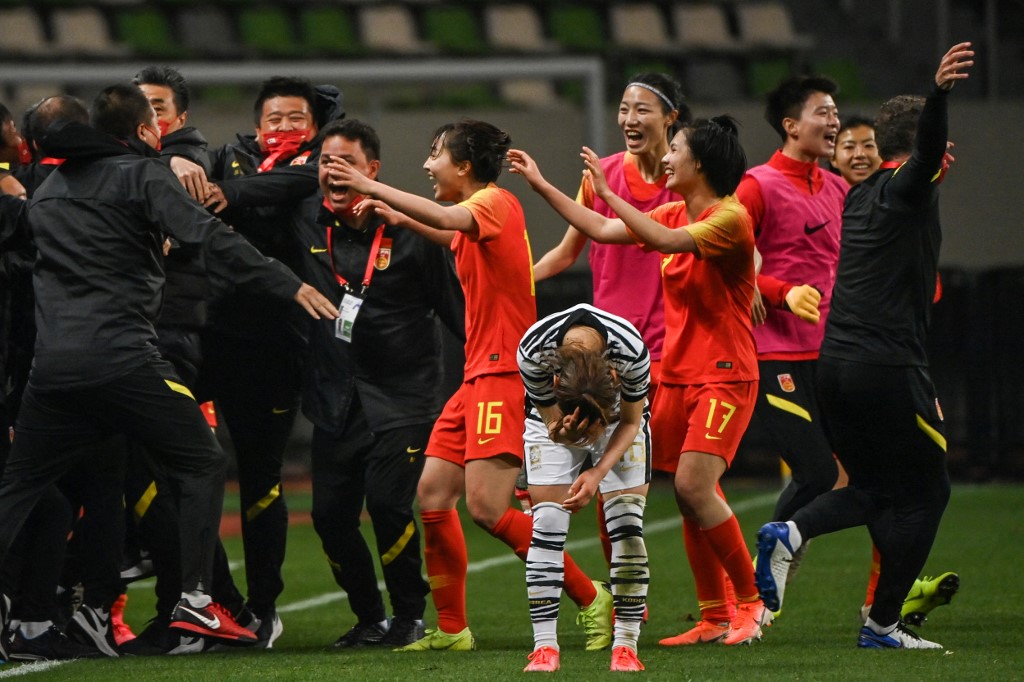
495 267
708 333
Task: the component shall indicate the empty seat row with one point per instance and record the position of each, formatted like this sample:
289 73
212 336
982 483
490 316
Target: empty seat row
398 28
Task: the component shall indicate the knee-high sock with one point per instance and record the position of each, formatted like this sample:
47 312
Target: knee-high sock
726 540
445 555
515 529
708 575
545 568
624 517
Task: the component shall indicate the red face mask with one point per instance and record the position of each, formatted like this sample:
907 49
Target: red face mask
349 212
163 126
281 144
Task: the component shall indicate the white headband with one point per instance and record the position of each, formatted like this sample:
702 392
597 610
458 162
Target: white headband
661 95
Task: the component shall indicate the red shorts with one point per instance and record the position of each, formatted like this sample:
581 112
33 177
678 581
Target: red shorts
708 418
483 419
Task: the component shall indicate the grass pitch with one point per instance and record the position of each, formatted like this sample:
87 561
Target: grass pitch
814 639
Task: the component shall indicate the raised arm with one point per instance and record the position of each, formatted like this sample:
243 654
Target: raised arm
562 256
592 224
430 213
650 231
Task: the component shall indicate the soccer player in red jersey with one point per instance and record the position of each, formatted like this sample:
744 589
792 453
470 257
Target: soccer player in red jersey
709 367
476 446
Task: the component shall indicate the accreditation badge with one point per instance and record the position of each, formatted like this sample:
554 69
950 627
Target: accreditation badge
346 322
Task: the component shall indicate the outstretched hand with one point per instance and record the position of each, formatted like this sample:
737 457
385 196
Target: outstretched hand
953 66
341 172
523 164
315 303
593 163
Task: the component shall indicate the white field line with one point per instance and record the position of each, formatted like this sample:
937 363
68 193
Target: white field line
29 668
672 523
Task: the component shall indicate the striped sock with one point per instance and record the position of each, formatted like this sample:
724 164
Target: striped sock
624 517
545 571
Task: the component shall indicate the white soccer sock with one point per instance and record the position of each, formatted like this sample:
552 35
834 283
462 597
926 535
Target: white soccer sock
197 599
795 539
545 571
880 629
630 574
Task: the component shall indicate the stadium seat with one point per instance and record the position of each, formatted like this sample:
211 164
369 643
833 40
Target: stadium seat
267 32
515 28
768 24
207 32
146 32
21 33
764 75
390 29
83 31
328 31
453 29
577 28
846 73
704 28
640 27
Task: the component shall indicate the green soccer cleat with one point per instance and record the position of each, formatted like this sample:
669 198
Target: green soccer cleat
438 640
596 619
927 594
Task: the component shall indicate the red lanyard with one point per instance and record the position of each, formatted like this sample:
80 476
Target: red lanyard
374 250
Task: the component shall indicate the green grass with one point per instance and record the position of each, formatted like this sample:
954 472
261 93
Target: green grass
981 538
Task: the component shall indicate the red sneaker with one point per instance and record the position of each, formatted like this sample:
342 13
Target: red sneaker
624 660
212 620
543 660
701 633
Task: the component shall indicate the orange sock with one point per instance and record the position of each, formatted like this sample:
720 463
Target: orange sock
444 552
515 529
708 575
726 540
876 563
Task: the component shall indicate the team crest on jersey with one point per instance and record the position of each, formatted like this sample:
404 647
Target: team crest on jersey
300 160
786 383
534 456
383 259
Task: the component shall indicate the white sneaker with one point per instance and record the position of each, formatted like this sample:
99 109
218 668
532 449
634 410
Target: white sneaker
774 557
901 637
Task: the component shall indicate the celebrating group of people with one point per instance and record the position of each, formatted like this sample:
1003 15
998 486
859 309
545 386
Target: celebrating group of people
279 271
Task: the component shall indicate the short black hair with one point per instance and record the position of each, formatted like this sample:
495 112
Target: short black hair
356 130
48 111
119 109
856 121
284 86
715 145
789 97
168 77
482 144
896 125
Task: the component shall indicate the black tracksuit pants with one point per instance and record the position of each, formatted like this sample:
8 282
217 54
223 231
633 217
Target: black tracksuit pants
57 428
787 407
256 388
887 430
383 469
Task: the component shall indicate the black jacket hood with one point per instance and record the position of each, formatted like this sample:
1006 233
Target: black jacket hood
73 140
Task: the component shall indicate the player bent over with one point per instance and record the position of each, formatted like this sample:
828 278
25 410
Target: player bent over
587 373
